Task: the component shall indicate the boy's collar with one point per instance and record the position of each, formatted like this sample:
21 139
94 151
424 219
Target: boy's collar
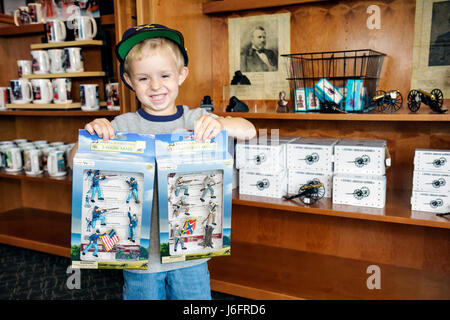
151 117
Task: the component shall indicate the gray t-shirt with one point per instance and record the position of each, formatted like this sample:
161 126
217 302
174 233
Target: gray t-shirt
142 122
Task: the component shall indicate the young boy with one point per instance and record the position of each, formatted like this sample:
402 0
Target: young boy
153 63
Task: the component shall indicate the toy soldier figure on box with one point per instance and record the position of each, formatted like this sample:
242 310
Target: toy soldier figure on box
132 226
212 206
180 184
208 184
181 204
95 186
97 214
93 242
177 236
133 185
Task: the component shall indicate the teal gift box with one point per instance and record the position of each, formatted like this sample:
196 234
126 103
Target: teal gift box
354 97
325 91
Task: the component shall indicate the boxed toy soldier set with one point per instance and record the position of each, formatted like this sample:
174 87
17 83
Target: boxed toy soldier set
112 201
194 196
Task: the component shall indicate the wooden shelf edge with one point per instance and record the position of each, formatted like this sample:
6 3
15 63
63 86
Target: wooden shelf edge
24 30
222 6
43 177
344 211
59 113
35 245
66 75
65 44
249 292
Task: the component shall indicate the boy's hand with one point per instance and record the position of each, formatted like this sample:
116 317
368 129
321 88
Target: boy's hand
207 127
102 127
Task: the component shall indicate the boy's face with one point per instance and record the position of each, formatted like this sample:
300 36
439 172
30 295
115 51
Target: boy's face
155 78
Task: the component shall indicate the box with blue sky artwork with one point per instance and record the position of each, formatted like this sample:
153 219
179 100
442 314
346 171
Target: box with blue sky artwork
112 197
194 196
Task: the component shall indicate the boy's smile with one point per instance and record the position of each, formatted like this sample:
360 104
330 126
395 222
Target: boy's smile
155 78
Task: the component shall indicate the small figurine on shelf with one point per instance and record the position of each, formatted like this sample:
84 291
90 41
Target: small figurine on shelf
179 205
132 191
207 104
283 103
93 242
178 237
236 105
132 226
208 184
95 186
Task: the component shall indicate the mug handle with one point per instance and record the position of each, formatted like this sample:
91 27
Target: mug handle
94 27
47 61
63 29
30 91
16 21
50 91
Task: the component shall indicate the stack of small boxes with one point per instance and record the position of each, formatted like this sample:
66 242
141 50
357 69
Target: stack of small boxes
431 181
360 167
310 159
262 167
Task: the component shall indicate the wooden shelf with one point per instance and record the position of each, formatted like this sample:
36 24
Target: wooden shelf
403 116
24 30
65 44
222 6
52 106
397 210
39 230
60 113
282 273
43 177
66 75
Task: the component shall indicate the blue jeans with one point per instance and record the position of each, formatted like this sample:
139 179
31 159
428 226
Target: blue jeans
191 283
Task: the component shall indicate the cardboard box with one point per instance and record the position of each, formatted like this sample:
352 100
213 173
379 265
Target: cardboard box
112 188
298 178
325 91
312 101
430 202
301 100
367 157
264 183
431 182
432 160
194 196
262 153
358 190
353 98
311 154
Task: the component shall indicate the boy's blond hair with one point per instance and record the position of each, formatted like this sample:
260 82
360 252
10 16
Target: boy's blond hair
141 49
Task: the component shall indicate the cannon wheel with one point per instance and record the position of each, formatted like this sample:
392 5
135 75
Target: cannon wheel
377 105
313 197
413 101
439 97
394 103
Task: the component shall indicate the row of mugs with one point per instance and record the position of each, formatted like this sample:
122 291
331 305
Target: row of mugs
52 61
32 13
35 157
59 91
84 28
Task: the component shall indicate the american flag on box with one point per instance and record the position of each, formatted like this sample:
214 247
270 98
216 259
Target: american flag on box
110 240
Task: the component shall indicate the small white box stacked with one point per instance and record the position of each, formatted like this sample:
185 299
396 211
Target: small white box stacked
431 181
310 159
359 172
262 167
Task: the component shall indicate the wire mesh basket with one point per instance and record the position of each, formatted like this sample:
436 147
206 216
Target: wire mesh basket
334 81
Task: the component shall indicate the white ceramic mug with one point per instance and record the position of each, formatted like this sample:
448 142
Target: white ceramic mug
74 59
22 16
24 67
57 60
56 30
56 163
85 28
41 62
112 96
5 97
12 158
62 90
21 91
89 97
35 12
32 161
42 91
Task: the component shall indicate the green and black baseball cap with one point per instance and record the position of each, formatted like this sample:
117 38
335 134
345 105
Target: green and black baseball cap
137 34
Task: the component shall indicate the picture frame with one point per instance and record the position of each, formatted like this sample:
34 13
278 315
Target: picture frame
431 60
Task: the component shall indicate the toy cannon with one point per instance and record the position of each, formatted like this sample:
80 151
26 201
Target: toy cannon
434 100
390 101
309 193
